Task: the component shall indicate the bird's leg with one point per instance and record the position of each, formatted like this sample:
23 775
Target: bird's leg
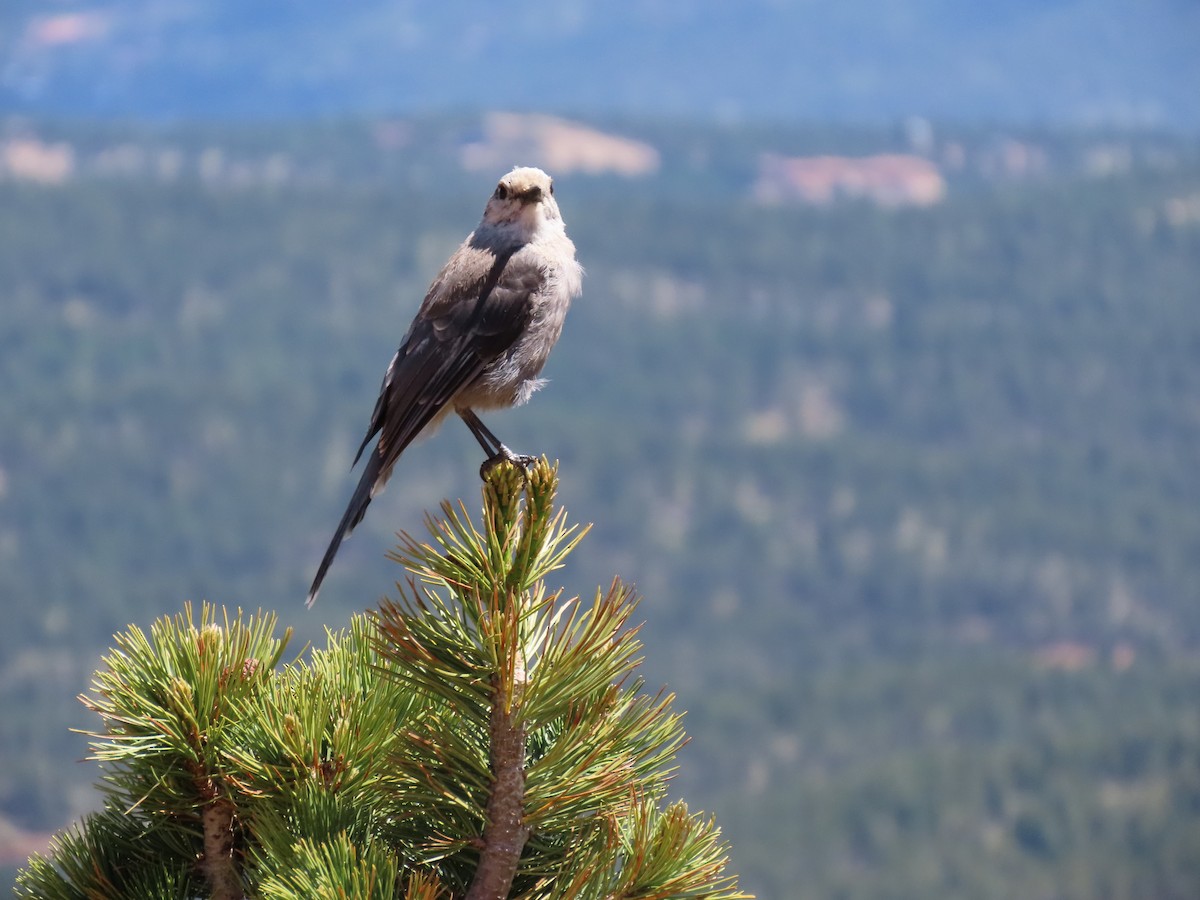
495 450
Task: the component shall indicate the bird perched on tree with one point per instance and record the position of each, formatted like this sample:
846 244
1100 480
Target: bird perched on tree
480 338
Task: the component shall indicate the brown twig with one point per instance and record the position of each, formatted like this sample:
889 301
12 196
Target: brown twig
217 864
505 833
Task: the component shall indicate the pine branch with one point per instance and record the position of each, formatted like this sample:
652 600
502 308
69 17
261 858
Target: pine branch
167 700
483 643
506 831
218 863
562 802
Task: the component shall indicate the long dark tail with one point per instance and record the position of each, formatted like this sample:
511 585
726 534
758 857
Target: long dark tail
355 511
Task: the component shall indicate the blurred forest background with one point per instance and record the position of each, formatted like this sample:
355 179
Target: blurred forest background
894 419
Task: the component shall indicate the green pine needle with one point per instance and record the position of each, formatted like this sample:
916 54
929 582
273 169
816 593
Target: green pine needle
336 869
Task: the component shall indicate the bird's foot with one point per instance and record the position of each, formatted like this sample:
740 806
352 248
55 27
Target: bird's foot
523 460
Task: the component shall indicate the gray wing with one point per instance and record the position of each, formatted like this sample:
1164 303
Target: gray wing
476 309
468 319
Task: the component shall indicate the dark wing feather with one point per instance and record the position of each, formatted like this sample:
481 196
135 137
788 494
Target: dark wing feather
454 337
456 334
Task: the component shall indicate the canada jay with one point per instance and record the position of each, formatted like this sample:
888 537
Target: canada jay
480 338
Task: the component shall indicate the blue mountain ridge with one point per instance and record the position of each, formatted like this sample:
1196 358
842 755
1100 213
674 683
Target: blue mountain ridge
1104 62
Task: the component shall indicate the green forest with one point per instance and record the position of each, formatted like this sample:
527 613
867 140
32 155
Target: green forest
910 494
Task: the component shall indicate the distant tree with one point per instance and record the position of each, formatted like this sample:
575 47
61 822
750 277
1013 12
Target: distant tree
479 737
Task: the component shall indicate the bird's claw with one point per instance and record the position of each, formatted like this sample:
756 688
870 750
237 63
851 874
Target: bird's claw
524 460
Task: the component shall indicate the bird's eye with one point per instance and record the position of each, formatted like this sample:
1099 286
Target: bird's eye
551 188
501 192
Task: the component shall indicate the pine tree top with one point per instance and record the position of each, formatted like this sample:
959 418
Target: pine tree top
478 736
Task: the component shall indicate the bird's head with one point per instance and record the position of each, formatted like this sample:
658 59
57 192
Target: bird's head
524 198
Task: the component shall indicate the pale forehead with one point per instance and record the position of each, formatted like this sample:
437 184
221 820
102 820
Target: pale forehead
522 178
